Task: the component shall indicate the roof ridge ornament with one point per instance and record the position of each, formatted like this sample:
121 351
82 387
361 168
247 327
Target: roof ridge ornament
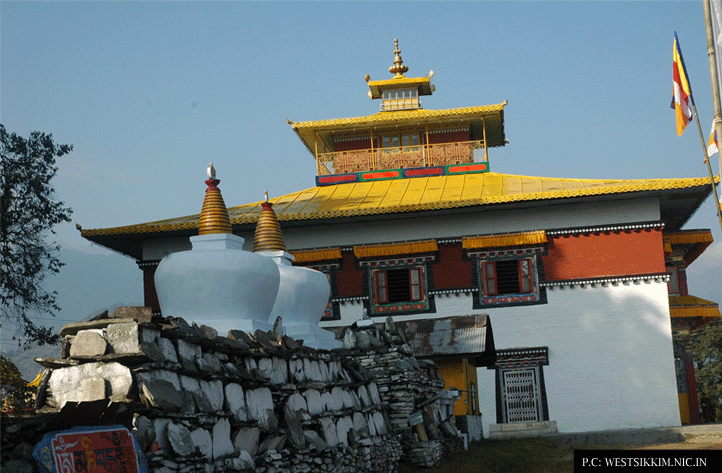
398 68
214 214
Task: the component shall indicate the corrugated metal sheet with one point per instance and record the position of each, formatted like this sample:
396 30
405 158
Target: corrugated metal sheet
461 335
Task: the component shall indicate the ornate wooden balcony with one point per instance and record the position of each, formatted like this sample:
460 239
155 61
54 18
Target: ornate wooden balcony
415 156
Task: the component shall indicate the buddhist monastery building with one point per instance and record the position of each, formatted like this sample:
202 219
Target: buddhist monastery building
584 280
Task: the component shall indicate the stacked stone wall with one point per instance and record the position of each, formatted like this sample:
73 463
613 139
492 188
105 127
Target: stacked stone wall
411 388
197 402
203 403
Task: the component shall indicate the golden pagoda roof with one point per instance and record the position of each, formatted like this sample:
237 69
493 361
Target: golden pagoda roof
425 194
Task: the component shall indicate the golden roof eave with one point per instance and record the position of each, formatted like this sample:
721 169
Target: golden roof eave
377 87
412 195
394 117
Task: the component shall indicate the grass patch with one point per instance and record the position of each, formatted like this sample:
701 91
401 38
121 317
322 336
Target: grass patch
529 455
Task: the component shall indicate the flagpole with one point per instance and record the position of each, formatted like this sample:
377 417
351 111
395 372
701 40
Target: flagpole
716 103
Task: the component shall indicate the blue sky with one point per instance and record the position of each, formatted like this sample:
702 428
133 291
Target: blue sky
150 92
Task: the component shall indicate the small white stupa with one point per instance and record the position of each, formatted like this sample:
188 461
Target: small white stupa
217 283
303 293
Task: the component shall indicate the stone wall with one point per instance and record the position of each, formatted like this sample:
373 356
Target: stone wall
204 403
411 388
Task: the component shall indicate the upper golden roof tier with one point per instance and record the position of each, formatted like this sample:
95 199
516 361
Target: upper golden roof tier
399 81
484 122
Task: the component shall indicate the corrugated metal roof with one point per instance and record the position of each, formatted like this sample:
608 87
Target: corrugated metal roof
467 335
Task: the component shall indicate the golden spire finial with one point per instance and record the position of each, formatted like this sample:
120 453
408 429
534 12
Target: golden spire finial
214 214
398 68
268 236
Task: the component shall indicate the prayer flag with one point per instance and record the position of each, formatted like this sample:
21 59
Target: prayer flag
682 93
712 147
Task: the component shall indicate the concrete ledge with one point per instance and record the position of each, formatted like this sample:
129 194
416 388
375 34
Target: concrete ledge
623 437
522 429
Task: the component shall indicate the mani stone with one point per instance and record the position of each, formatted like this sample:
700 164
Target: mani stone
161 432
315 440
313 402
143 432
180 439
141 314
247 440
260 407
293 422
165 375
295 367
222 445
215 393
88 343
371 425
208 363
343 425
161 394
202 439
329 430
337 395
123 337
235 401
187 354
311 370
93 389
66 384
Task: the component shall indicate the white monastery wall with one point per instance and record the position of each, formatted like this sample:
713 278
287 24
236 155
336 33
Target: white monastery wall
611 364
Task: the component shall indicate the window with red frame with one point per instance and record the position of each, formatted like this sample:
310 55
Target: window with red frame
398 285
508 276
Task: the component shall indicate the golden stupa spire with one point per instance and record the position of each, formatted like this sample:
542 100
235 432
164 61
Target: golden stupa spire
268 236
214 214
398 68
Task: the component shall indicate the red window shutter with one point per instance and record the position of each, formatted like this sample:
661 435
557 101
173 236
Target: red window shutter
488 270
526 280
416 291
381 286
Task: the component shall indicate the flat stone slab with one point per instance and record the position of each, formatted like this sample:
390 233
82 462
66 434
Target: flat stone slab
75 327
88 343
180 439
222 445
66 384
247 440
161 394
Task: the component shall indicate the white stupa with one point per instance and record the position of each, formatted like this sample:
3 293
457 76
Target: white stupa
217 283
303 293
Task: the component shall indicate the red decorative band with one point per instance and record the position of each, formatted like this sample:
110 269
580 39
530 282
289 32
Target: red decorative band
380 175
435 171
212 184
468 168
337 178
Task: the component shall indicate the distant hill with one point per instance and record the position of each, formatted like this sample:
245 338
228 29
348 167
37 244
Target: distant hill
90 282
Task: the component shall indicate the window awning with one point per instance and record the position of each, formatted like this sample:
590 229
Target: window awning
321 254
504 239
393 249
691 306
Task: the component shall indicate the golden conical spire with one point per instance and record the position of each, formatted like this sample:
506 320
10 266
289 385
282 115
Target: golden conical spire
268 235
398 68
214 214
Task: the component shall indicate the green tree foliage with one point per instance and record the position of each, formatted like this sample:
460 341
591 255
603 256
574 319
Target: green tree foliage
28 212
13 388
708 355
